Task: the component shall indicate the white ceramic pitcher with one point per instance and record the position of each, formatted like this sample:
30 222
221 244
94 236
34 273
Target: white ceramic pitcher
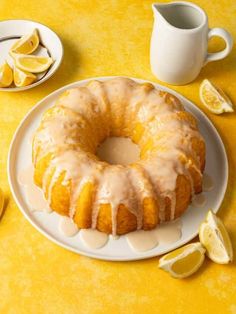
179 42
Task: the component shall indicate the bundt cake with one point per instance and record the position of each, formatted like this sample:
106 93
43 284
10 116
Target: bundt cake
114 198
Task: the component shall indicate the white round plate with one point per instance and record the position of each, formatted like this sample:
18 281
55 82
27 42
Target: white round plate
115 250
50 45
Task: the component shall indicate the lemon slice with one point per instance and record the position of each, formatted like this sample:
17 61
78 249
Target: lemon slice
23 78
214 237
6 75
34 64
1 201
184 261
214 98
27 43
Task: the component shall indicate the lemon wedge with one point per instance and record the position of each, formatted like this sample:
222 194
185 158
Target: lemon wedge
6 75
215 238
34 64
184 261
23 78
27 43
1 201
214 98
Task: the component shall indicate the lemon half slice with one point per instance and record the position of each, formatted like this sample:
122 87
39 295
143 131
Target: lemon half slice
23 78
214 237
34 64
27 43
6 75
1 201
184 261
214 98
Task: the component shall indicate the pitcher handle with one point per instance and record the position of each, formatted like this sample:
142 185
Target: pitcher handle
220 32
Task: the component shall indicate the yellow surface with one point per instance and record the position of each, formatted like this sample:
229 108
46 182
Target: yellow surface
36 276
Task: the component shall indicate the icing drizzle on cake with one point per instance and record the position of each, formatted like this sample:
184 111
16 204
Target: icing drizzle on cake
165 133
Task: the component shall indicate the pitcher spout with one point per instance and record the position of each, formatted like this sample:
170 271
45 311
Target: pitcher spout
179 14
160 9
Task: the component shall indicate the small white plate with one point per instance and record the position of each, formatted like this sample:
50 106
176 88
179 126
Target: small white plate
50 45
115 250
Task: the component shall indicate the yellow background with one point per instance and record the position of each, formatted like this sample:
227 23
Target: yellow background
36 276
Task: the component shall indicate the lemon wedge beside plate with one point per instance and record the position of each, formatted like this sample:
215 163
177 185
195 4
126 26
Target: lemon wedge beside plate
31 63
214 98
27 43
214 237
184 261
6 75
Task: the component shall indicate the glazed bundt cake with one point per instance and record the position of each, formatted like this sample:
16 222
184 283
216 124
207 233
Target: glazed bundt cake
114 198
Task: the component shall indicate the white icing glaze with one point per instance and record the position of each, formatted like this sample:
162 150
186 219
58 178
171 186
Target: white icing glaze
114 237
26 176
154 105
207 183
112 190
118 150
34 195
84 117
142 188
141 240
36 200
169 232
199 200
163 174
165 233
93 239
67 226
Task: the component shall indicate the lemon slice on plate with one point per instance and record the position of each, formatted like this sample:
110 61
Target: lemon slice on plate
184 261
214 98
27 43
34 64
215 238
6 75
23 78
1 201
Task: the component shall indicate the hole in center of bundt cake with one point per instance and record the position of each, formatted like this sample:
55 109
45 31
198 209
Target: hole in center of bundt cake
118 151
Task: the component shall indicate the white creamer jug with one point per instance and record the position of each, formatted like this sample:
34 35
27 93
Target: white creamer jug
179 42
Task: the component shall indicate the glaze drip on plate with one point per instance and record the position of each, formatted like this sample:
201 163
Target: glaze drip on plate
34 195
112 198
166 233
67 226
93 238
207 183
